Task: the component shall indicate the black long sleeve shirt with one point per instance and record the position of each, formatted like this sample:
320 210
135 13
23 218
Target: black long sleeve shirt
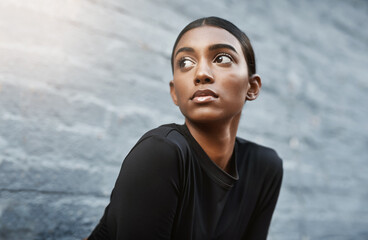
168 188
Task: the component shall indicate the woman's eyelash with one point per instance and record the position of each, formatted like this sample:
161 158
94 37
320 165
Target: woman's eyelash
224 54
182 60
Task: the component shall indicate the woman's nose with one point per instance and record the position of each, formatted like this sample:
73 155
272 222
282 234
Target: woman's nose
203 74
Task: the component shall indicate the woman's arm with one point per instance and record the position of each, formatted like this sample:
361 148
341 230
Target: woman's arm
145 197
258 229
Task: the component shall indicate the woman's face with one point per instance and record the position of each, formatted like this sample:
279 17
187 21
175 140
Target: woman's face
210 75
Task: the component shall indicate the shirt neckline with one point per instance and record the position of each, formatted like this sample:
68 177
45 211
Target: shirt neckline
217 174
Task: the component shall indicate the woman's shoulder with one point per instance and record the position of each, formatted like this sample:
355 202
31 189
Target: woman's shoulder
160 148
163 140
168 133
263 155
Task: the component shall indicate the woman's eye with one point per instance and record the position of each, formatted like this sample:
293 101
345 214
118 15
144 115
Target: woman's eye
185 63
223 59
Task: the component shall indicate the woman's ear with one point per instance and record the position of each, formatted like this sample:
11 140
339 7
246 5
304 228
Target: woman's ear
255 85
173 93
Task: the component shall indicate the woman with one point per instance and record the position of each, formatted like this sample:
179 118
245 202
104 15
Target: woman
198 180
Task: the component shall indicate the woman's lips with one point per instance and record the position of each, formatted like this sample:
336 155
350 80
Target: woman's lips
204 96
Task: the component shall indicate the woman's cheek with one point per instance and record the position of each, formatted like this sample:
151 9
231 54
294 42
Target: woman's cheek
237 85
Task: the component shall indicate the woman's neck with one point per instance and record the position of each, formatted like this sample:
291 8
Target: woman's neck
217 139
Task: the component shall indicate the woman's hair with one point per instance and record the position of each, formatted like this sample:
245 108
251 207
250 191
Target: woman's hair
231 28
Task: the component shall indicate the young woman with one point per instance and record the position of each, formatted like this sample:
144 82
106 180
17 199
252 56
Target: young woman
198 180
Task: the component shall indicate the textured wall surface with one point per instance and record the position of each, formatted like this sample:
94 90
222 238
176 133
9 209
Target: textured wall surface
81 81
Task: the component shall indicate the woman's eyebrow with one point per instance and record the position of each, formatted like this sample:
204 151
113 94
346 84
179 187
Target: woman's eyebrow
222 45
211 48
184 49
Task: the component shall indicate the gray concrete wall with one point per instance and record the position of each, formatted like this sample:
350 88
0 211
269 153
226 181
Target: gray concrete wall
81 81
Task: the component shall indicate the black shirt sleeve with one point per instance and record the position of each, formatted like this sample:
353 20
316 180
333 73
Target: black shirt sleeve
145 197
272 175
